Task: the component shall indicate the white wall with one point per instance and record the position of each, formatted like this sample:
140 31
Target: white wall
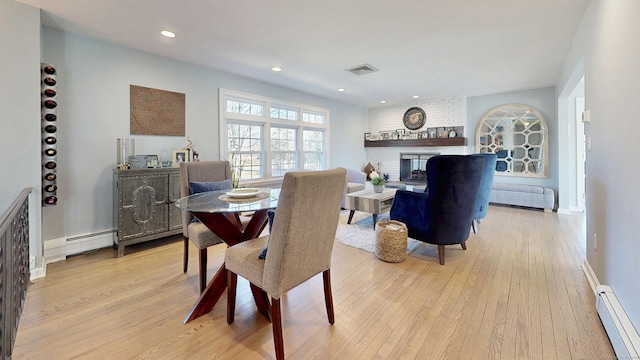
94 79
447 112
607 41
543 100
20 137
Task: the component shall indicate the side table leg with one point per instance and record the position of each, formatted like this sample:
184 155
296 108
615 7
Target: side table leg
375 220
351 216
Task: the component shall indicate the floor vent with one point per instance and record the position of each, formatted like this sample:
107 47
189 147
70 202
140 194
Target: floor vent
363 69
623 336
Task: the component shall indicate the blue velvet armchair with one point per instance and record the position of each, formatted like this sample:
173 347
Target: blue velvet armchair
484 191
442 214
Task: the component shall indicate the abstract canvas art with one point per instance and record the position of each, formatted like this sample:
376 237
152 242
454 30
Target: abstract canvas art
156 112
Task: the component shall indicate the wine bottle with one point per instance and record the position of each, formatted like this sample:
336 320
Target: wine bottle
50 176
50 188
50 152
51 117
51 200
50 165
49 70
50 128
50 104
49 92
50 140
49 81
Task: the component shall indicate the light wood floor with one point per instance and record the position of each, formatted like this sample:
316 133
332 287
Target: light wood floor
517 292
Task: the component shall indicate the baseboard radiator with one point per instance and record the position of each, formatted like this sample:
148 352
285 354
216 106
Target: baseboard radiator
622 334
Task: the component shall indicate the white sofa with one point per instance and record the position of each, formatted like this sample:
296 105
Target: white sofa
523 195
356 181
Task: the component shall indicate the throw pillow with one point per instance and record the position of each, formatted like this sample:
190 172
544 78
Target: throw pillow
263 253
198 187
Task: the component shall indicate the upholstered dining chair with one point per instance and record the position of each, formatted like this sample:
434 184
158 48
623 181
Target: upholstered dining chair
299 245
196 177
484 191
441 215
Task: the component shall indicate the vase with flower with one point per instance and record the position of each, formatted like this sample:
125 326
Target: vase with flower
377 181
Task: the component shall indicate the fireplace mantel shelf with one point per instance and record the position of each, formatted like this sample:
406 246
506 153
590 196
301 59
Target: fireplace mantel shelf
456 141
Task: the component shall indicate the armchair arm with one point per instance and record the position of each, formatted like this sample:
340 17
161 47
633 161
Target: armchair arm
413 209
356 176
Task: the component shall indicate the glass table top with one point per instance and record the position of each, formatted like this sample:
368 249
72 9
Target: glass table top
219 202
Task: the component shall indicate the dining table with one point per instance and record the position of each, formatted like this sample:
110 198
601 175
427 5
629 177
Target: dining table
220 211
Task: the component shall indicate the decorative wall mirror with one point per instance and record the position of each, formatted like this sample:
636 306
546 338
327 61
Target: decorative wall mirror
518 134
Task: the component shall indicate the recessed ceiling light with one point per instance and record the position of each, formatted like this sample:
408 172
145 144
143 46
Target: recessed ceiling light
276 68
342 89
167 33
383 101
415 96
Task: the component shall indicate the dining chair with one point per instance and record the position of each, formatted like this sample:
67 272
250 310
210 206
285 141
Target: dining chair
196 177
299 245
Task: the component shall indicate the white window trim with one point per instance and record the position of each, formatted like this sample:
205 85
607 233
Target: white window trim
266 121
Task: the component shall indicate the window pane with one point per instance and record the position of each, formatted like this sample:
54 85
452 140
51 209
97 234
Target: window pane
246 165
282 162
283 139
283 113
313 161
241 107
313 118
244 137
312 140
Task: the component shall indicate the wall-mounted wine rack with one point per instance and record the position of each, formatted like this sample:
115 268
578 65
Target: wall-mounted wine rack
49 107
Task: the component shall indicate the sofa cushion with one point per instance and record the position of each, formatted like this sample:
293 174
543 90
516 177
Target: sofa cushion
518 188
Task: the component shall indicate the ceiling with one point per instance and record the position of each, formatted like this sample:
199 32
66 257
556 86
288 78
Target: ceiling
430 48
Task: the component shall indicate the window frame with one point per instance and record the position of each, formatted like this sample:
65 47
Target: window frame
266 121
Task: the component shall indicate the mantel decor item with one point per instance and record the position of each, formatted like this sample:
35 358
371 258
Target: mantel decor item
156 112
180 156
414 118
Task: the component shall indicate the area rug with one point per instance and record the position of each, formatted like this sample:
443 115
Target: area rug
360 234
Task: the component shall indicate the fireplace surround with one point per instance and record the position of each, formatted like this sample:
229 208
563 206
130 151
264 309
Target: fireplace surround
413 167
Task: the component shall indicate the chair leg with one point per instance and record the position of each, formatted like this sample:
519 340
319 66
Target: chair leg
276 321
464 245
186 255
475 225
232 281
441 254
203 269
328 297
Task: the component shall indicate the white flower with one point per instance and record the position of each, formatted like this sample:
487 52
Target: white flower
373 174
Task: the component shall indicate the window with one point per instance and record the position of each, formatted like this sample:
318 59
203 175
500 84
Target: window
264 145
282 113
245 147
313 149
283 150
313 118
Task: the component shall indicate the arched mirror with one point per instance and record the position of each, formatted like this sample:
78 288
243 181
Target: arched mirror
518 134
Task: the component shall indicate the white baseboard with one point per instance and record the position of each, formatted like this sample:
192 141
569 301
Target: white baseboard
564 211
623 336
58 249
37 273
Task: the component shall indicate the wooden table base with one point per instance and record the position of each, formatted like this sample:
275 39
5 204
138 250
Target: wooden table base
229 229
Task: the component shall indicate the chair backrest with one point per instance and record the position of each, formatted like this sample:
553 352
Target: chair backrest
304 229
453 182
201 171
484 191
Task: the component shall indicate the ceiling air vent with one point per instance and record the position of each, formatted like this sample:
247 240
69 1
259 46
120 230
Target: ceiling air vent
363 69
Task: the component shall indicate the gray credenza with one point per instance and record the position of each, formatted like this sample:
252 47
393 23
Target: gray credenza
144 205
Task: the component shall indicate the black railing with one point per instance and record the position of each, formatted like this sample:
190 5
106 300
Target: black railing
14 269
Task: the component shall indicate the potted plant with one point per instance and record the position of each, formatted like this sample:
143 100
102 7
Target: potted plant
377 181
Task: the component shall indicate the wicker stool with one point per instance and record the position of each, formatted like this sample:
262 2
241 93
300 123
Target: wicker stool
391 241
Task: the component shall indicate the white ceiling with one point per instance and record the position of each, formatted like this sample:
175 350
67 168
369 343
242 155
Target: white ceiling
430 48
